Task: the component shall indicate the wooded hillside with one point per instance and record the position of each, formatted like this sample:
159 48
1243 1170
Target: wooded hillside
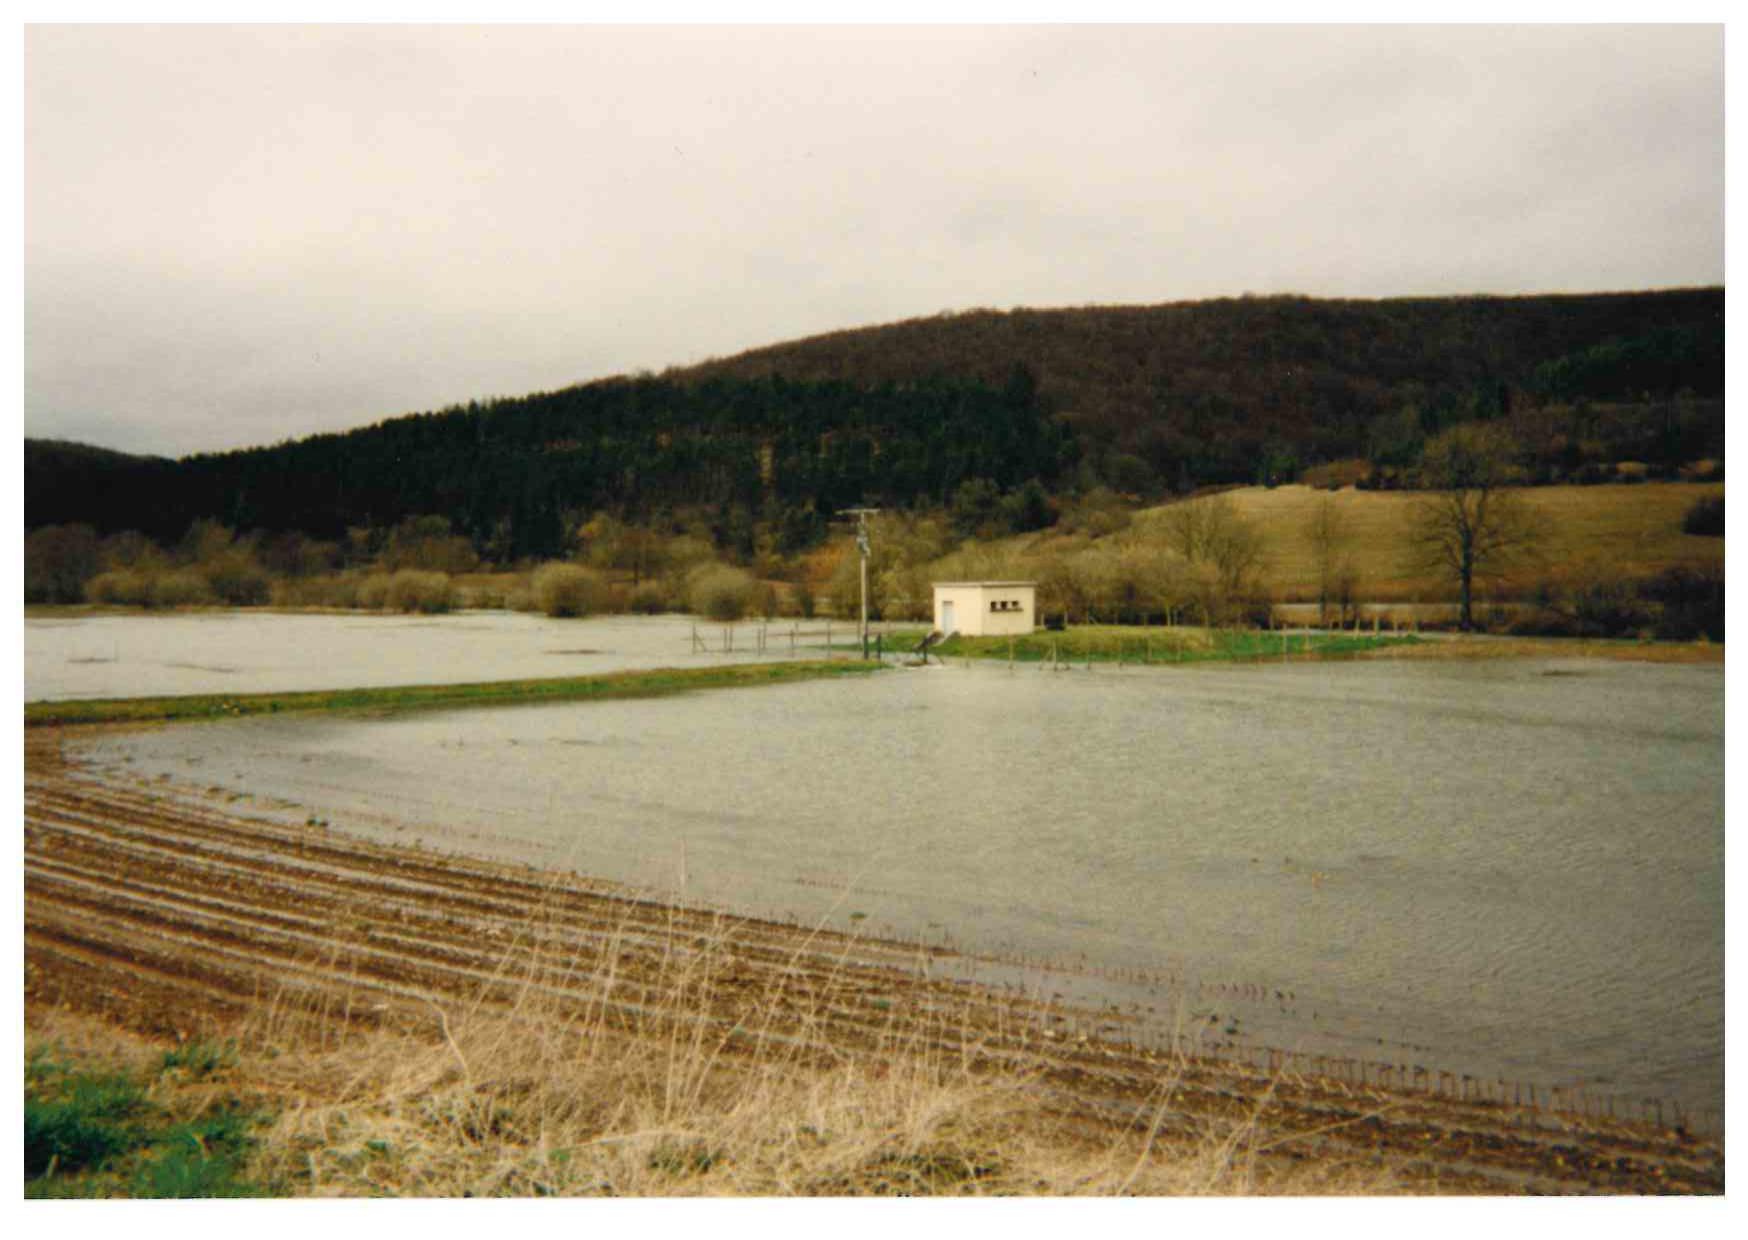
1254 389
1147 401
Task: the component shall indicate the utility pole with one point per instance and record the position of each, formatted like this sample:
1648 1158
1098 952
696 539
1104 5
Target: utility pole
862 515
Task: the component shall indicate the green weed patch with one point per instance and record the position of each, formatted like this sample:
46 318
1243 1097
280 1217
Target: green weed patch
105 1134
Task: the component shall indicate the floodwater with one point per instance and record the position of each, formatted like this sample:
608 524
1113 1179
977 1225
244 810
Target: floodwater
1512 869
259 652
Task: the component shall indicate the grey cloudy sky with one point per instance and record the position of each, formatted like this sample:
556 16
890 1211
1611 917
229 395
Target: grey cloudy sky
240 235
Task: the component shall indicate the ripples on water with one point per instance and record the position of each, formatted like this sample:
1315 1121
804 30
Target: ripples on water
1507 868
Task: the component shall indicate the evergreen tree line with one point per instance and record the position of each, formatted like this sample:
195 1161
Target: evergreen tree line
515 476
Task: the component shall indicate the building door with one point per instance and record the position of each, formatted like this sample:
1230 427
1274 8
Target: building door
946 617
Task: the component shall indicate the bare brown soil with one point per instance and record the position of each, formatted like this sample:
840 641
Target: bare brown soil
169 917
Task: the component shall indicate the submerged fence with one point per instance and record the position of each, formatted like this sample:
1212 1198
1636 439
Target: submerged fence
829 638
809 639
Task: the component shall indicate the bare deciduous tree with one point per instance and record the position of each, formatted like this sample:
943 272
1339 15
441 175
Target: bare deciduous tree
1472 521
1223 550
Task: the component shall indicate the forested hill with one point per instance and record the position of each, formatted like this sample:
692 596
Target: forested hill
1145 400
1193 392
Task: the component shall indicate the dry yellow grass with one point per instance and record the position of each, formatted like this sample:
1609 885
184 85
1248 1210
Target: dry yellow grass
1623 530
544 1101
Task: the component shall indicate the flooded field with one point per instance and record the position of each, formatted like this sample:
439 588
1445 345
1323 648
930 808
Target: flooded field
256 652
1511 869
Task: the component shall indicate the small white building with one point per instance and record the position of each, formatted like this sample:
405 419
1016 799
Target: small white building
985 608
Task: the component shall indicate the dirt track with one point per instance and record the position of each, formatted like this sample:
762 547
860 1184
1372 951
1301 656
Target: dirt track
175 916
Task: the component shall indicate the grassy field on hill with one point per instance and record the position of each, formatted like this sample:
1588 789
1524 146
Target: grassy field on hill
1626 531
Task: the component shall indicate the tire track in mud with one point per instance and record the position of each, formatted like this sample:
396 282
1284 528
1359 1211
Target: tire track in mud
166 912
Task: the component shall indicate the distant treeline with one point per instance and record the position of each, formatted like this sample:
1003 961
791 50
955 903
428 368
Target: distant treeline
982 409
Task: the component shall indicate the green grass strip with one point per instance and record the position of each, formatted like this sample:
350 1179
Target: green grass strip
1165 647
633 684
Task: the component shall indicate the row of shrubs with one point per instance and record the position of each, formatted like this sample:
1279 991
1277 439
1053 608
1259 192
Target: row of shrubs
410 590
1681 603
719 591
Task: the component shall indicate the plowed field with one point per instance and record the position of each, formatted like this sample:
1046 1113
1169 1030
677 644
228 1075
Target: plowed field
171 914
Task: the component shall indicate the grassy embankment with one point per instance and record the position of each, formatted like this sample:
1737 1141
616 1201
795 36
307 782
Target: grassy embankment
652 683
1136 644
1112 643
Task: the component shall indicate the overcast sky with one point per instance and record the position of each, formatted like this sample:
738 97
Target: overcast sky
235 236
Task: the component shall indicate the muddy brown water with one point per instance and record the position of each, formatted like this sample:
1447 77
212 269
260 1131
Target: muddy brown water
1509 869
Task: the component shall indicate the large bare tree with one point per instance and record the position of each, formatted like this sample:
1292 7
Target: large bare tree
1472 521
1224 552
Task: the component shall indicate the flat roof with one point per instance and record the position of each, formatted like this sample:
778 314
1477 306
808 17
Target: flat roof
1003 584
